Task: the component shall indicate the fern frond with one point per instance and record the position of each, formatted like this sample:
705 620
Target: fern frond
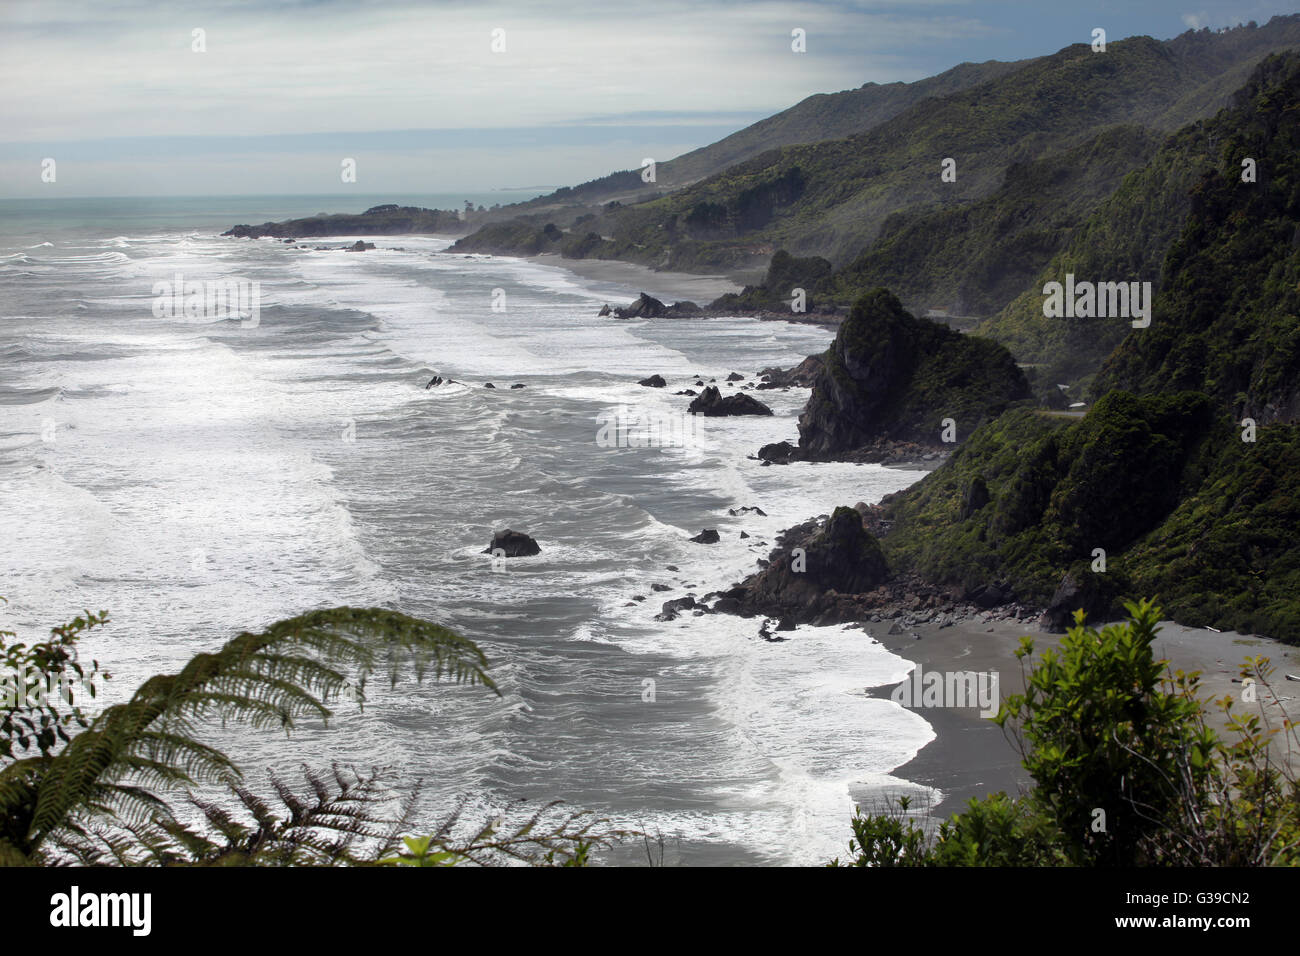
270 679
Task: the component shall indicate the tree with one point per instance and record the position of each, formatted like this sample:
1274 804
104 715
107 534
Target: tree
1126 771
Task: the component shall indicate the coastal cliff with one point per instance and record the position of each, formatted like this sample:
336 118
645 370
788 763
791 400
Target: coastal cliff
891 376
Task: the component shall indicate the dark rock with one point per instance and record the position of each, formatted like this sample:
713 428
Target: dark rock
988 596
802 375
488 385
779 453
674 607
436 380
699 382
645 307
605 310
711 403
707 536
518 385
360 246
975 498
688 391
746 510
890 375
660 587
735 377
1078 590
680 310
744 534
515 544
816 570
654 381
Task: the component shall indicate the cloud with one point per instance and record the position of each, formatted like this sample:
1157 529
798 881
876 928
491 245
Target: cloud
86 70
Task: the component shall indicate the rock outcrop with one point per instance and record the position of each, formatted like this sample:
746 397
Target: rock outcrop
711 403
812 567
892 376
802 375
512 544
778 453
645 306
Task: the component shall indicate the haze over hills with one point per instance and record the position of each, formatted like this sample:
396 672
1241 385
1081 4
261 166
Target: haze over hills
821 116
832 198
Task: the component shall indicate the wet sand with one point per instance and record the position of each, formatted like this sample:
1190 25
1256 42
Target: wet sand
668 287
971 757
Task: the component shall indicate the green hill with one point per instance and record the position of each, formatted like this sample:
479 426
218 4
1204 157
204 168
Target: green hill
1164 485
832 198
820 117
1227 321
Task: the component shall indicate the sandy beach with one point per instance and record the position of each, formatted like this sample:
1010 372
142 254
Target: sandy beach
970 756
667 286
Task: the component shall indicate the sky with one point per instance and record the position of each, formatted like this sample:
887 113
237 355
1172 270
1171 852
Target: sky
137 98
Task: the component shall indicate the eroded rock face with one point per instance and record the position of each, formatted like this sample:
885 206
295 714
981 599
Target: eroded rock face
513 544
645 307
780 453
1077 591
813 566
802 375
711 403
890 375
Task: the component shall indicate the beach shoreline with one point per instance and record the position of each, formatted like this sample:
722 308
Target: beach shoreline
971 757
668 286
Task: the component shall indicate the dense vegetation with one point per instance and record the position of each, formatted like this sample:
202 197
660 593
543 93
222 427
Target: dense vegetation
1185 499
1126 772
820 117
1228 316
973 259
1181 506
889 375
830 198
1239 235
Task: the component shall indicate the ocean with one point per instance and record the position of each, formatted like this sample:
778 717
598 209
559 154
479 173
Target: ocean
200 476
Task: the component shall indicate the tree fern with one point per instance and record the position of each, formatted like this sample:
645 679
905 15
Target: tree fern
116 767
